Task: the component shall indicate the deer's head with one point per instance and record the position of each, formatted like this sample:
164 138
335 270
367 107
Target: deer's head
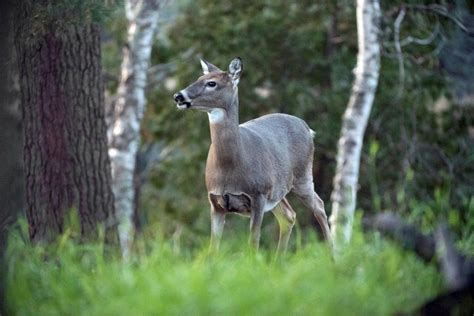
215 89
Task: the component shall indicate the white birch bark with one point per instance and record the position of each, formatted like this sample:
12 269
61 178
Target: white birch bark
124 132
355 120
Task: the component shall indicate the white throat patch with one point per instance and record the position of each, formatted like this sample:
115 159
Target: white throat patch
216 115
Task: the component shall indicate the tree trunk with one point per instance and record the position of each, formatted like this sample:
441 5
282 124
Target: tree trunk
124 132
355 121
65 152
11 138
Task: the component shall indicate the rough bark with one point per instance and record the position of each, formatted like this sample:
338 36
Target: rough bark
124 133
355 121
11 138
65 146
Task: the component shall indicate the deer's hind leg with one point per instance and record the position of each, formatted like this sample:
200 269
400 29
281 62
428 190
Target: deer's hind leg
304 190
286 218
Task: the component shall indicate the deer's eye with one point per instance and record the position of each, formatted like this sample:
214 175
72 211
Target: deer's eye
211 84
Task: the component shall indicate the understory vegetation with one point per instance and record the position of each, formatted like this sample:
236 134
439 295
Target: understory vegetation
372 277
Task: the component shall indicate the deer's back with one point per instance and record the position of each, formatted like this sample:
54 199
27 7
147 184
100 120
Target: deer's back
285 140
278 149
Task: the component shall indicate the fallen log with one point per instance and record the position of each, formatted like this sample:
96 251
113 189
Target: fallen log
456 267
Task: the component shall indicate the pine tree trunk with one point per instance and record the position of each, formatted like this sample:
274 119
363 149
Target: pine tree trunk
11 136
124 132
65 152
11 139
355 121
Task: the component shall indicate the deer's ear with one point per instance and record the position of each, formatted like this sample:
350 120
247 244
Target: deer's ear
235 70
207 67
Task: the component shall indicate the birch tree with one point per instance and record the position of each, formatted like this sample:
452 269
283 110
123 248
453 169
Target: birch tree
124 132
355 120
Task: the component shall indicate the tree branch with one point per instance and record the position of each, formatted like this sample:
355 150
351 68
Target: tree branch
398 48
442 11
421 41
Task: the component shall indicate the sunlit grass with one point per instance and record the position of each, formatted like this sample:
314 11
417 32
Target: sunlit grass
372 277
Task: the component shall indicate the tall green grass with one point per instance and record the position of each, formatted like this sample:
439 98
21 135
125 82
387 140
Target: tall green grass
372 277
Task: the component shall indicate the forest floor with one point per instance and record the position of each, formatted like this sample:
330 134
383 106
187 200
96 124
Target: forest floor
371 277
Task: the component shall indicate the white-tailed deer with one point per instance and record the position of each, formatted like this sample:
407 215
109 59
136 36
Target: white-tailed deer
252 167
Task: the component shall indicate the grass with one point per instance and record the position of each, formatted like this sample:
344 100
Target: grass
373 277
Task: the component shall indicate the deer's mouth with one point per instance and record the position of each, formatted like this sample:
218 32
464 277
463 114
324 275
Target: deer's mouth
183 105
182 100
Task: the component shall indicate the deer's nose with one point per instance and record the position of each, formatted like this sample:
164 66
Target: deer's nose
178 97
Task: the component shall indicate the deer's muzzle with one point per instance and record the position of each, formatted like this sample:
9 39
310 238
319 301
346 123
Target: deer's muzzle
181 101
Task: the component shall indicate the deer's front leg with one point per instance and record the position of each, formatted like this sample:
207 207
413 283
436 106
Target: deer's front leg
217 226
256 219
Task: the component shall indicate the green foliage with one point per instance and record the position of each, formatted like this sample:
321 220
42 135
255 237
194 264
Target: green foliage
373 277
303 53
40 18
75 11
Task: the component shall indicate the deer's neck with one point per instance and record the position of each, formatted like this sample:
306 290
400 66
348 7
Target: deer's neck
225 135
